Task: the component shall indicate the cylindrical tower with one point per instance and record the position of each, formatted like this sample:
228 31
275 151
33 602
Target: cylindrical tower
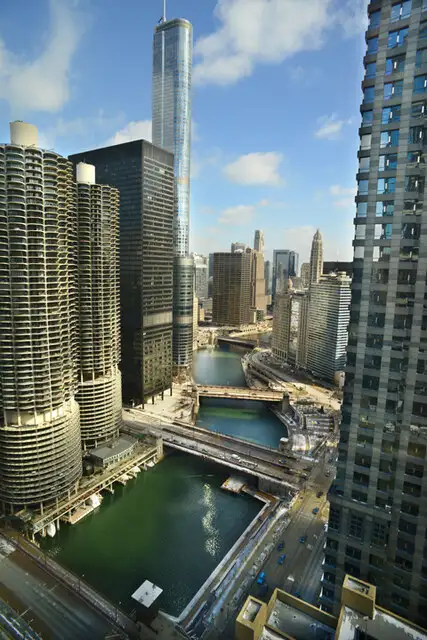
99 394
40 449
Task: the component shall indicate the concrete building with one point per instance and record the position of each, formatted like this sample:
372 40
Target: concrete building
259 241
378 515
144 176
285 265
305 274
200 276
358 618
40 448
231 288
267 277
195 321
171 116
100 389
238 246
316 258
257 292
328 318
288 340
210 265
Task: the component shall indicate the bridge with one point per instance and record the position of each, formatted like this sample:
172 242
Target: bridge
242 342
277 471
239 393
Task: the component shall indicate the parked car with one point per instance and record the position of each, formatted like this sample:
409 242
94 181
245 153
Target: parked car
319 494
281 559
303 539
261 578
316 510
280 546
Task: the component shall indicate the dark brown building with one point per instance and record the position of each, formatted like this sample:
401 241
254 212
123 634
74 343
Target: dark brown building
231 288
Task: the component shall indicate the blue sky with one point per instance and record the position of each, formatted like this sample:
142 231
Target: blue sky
275 104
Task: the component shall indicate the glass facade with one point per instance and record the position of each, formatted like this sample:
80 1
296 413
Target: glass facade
378 501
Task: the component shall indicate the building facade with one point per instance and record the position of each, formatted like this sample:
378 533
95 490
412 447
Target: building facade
171 116
259 241
144 176
200 276
267 277
378 515
100 389
289 324
337 266
316 258
231 289
40 447
257 291
238 246
328 318
285 266
305 274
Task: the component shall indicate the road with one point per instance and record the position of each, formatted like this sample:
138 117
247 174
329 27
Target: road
52 610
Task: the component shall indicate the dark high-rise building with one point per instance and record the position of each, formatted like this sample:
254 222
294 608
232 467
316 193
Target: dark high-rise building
378 502
285 266
259 241
40 448
231 288
100 390
338 266
144 176
210 265
200 276
267 276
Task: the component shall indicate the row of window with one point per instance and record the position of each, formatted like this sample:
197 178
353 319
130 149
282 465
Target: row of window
386 208
389 162
395 89
396 38
388 185
390 138
409 231
392 114
396 64
382 254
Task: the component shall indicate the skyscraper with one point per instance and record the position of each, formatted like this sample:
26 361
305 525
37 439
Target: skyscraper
200 276
285 265
144 176
257 287
267 276
316 258
171 115
378 515
100 389
238 246
305 274
231 288
259 241
40 448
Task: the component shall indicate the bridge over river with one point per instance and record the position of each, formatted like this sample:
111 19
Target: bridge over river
239 393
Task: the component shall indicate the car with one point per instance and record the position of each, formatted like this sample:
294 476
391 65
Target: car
280 546
261 578
319 494
315 510
327 473
281 559
303 539
325 526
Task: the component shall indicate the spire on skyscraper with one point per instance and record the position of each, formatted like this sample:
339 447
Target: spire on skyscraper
316 258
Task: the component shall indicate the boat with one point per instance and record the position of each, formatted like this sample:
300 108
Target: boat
136 470
51 529
95 500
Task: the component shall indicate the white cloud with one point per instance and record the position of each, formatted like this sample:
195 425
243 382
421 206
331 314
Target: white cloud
241 214
87 127
265 31
344 203
42 84
135 130
343 196
256 169
329 127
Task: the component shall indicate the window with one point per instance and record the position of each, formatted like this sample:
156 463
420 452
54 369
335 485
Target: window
421 58
364 164
391 114
415 157
368 94
396 38
371 70
389 138
385 185
418 109
365 141
393 89
360 234
359 253
383 231
362 209
400 10
381 254
384 208
409 254
420 84
372 45
334 518
355 528
374 20
416 134
411 207
394 65
362 187
379 533
351 552
423 30
414 183
411 231
367 118
387 162
424 7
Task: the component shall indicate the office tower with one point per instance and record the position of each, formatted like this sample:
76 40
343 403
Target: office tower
143 174
259 241
257 286
305 274
210 265
285 265
231 288
288 340
171 116
40 448
337 265
200 276
267 277
316 258
195 321
100 389
378 516
238 246
328 318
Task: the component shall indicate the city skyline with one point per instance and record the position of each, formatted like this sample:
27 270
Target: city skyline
81 111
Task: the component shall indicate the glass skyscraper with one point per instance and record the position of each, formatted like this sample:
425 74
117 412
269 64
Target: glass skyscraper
171 115
378 502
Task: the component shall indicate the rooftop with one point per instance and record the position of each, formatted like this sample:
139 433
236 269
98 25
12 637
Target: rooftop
297 624
383 625
147 593
113 449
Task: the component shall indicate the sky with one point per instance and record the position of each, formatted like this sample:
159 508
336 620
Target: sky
275 104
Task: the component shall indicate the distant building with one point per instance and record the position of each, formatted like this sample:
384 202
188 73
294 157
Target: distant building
285 266
328 319
305 274
257 291
238 246
288 341
231 288
358 617
144 176
259 241
316 258
338 267
267 277
200 276
210 265
195 321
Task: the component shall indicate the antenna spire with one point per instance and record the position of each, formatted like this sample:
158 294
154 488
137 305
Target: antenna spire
164 10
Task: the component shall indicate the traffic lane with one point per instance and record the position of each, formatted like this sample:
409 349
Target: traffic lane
65 615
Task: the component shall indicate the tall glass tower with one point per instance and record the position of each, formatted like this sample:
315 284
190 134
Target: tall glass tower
171 115
378 513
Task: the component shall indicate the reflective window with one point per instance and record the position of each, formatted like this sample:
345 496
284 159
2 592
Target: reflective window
401 10
423 30
393 89
421 58
360 233
418 109
383 231
387 162
359 253
391 114
362 188
375 19
381 254
411 231
394 65
414 183
411 207
367 118
409 254
362 209
368 94
384 209
365 141
420 84
364 164
416 134
372 45
396 38
416 157
389 138
371 70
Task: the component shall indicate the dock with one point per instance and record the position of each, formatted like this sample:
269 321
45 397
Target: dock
234 484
